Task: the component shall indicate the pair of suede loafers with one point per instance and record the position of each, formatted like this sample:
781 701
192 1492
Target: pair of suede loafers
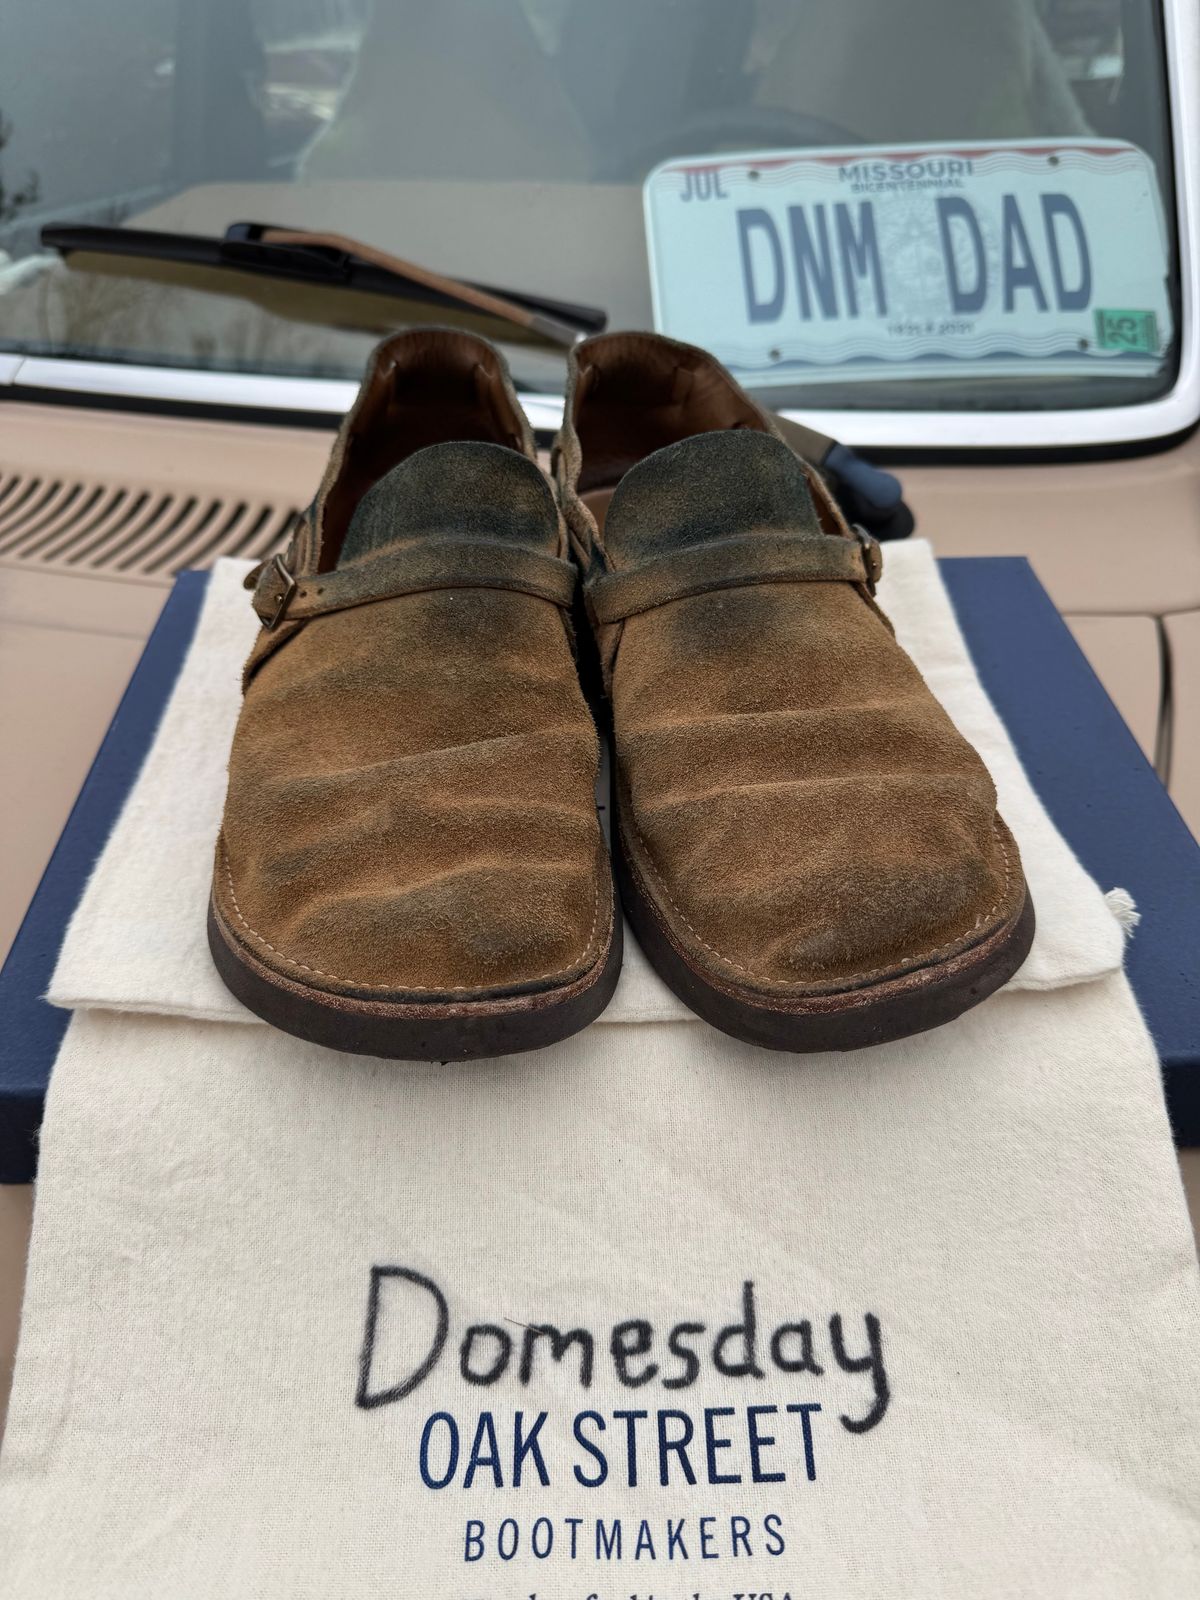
411 863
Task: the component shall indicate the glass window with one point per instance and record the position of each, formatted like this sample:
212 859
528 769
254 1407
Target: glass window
509 142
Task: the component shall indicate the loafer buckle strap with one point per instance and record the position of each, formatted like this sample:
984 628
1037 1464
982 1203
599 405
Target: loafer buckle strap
733 563
412 569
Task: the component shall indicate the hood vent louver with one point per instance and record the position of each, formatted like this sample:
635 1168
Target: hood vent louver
128 532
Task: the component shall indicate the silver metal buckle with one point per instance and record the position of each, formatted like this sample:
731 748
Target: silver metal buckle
279 567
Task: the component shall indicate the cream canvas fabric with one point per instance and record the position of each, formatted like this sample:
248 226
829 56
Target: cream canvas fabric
137 941
969 1250
649 1313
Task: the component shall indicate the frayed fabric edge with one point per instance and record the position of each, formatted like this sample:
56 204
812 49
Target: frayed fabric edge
1121 903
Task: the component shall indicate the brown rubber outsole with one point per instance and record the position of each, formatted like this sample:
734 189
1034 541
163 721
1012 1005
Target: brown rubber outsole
435 1030
848 1019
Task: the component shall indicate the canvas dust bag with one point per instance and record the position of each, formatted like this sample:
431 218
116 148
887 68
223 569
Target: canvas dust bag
649 1313
652 1312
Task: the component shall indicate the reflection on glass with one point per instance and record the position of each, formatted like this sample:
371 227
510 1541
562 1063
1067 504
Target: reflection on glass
507 141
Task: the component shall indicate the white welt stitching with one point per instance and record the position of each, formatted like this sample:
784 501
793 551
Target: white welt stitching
459 988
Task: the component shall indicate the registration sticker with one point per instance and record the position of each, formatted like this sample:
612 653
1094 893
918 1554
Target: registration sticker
1001 259
1127 330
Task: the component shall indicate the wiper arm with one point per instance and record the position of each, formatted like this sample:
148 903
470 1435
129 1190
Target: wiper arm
332 259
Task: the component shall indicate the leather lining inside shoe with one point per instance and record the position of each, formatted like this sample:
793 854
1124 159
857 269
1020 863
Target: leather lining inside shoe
448 387
637 394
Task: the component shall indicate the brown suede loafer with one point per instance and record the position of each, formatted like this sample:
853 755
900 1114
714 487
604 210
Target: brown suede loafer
808 851
410 863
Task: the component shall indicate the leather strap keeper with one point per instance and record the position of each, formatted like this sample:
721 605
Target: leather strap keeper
410 569
733 564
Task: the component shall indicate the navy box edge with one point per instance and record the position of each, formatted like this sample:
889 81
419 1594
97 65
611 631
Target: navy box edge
33 1028
1158 863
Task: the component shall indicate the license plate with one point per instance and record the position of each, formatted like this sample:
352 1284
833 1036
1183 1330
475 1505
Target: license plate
801 266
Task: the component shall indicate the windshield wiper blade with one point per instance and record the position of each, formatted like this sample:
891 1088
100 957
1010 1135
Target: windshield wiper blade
332 259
